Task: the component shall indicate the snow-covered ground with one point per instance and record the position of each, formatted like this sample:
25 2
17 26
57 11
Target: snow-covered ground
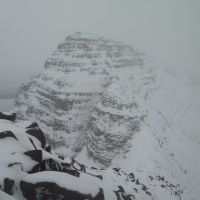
6 104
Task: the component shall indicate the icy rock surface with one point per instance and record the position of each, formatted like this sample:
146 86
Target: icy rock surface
62 96
98 93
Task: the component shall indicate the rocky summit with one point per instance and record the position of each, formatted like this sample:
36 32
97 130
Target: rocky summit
74 78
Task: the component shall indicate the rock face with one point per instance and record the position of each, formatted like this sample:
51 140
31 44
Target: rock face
8 117
49 190
99 94
71 84
114 120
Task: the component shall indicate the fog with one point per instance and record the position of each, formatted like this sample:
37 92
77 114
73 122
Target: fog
166 30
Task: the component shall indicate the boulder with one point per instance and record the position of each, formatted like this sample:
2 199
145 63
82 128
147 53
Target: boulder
8 185
37 133
50 190
11 117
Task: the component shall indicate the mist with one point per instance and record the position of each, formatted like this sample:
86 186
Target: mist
166 31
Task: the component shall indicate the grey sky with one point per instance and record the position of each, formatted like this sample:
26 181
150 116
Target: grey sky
168 31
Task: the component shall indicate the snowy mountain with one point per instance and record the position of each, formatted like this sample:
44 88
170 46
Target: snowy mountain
101 102
62 96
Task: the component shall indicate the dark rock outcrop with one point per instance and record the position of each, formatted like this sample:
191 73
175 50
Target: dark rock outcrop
11 117
33 125
6 134
8 186
52 165
35 155
37 133
48 190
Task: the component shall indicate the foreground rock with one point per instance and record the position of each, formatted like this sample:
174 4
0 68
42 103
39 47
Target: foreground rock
9 117
99 93
28 170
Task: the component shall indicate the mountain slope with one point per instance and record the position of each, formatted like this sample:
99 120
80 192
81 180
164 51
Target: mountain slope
71 84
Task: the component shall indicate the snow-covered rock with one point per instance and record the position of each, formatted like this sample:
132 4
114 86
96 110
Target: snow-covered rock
104 103
62 96
28 171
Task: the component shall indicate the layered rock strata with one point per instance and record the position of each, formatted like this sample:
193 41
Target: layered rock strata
62 97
